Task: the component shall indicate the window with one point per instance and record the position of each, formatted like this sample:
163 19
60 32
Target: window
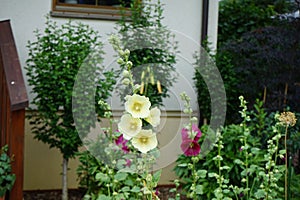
91 9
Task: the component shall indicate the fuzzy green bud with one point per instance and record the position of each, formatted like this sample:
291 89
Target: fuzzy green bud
121 52
190 166
195 159
126 52
120 61
126 73
125 81
129 64
149 178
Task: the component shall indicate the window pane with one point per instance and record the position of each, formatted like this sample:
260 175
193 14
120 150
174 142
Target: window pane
92 9
98 2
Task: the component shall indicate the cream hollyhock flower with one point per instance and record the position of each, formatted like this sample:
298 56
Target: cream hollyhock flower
138 106
154 117
129 126
144 141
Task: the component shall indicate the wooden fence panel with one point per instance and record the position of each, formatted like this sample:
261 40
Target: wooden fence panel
13 101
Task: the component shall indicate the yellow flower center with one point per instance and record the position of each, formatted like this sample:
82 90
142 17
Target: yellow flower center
133 126
137 107
144 140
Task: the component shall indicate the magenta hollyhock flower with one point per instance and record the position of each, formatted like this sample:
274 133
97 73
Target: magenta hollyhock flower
121 142
190 147
185 133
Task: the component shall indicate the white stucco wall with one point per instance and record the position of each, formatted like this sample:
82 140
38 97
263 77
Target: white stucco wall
182 17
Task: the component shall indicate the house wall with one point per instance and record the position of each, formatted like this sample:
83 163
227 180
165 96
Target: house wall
43 165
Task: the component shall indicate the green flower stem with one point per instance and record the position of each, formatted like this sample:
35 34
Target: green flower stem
269 179
286 163
289 177
110 130
219 164
246 166
194 178
130 74
252 187
108 191
246 162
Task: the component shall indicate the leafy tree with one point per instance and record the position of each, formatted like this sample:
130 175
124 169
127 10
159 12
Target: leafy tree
55 58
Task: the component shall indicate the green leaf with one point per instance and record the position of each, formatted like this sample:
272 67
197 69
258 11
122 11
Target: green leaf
104 197
156 176
199 189
260 194
182 165
282 152
238 162
102 177
202 173
136 189
120 176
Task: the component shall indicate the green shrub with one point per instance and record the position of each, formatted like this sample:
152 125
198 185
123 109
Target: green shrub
265 65
237 17
7 178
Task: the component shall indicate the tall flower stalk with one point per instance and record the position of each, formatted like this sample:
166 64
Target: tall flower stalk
190 146
245 146
287 119
138 124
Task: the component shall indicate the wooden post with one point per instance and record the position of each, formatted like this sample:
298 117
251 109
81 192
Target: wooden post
13 101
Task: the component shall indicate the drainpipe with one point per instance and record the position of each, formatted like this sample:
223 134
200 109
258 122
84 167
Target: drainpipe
204 29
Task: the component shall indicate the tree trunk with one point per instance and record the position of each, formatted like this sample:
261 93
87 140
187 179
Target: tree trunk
65 180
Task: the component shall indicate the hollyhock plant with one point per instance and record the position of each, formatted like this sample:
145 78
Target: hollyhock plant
132 150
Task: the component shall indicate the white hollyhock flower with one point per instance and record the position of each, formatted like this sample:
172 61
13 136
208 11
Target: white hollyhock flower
154 117
138 106
145 141
129 126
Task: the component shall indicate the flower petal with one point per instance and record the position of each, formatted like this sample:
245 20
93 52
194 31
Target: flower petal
190 147
129 126
138 106
154 117
145 141
197 131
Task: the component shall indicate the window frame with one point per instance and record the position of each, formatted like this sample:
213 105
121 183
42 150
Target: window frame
86 11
